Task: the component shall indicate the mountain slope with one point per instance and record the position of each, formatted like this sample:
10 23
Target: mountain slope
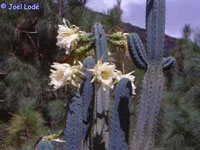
170 42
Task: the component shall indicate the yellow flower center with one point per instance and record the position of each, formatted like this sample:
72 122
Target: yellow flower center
59 75
105 75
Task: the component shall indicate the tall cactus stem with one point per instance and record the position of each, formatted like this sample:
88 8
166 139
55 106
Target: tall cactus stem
151 96
101 108
87 95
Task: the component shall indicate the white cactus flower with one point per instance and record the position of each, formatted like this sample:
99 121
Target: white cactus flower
68 36
131 78
104 73
63 74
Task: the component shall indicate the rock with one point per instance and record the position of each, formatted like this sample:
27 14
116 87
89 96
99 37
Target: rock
59 144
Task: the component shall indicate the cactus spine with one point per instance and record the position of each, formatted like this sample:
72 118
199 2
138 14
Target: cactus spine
154 63
121 116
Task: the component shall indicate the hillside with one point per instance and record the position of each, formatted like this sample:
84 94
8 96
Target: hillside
170 42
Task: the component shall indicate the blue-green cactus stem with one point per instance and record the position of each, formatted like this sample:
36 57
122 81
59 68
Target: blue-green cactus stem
73 131
136 51
45 145
151 96
87 95
168 62
100 43
101 134
121 116
155 24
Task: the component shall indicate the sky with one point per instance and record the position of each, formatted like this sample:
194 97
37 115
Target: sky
179 13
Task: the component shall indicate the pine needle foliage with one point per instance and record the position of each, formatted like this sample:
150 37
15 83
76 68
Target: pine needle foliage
24 126
22 80
181 105
57 110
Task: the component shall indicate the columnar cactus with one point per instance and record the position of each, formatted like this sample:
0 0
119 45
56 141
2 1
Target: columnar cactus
73 131
87 95
154 63
101 134
119 128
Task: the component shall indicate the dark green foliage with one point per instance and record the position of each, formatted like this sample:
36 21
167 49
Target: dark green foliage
57 111
87 95
186 31
100 43
121 116
114 16
181 104
196 37
21 79
45 145
73 131
25 126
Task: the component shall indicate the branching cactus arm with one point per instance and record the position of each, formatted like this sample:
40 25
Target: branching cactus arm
136 51
73 131
121 116
168 62
139 56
